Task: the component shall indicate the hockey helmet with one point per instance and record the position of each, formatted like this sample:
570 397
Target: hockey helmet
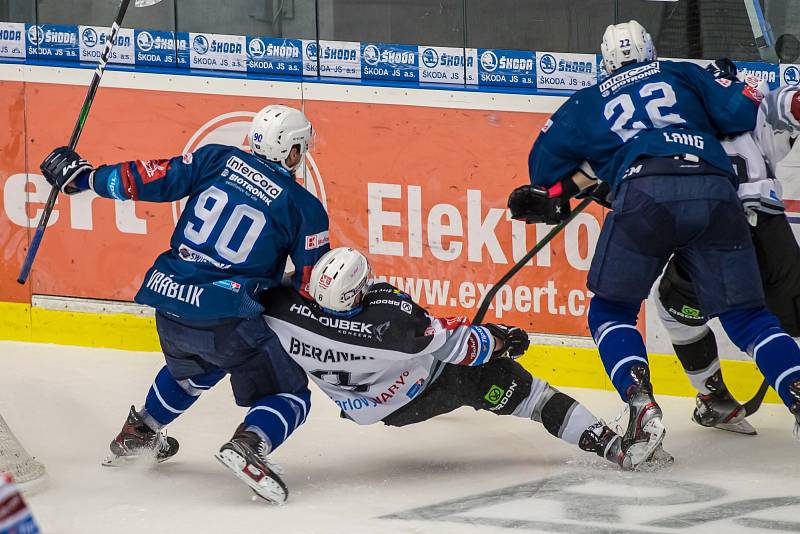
626 43
340 279
276 129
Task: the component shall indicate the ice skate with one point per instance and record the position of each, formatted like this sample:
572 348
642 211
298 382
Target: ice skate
645 431
794 391
246 455
137 440
604 442
718 409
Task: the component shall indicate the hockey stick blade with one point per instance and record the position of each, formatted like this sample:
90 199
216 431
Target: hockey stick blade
145 3
752 406
487 300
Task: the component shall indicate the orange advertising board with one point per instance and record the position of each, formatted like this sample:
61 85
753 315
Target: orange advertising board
421 189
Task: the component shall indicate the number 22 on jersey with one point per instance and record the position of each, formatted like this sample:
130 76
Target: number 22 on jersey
657 98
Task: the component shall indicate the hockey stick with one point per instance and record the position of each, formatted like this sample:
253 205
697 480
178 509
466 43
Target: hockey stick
487 299
76 133
752 406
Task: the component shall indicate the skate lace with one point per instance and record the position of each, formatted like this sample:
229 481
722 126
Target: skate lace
263 453
161 444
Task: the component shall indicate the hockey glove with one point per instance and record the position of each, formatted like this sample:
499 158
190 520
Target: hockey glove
723 68
65 169
513 341
535 204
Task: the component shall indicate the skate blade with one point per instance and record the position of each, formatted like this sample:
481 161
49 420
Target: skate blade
266 488
112 460
742 427
638 453
660 459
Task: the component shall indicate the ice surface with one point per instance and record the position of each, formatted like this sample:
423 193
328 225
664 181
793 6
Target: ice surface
465 472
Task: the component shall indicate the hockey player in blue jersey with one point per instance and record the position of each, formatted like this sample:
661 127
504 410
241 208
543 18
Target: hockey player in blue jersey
649 130
244 217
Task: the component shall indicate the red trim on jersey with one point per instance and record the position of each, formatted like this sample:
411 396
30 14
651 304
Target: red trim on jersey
753 94
129 181
304 283
472 351
451 323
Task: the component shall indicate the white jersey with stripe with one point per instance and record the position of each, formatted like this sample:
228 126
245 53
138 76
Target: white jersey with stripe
755 154
375 361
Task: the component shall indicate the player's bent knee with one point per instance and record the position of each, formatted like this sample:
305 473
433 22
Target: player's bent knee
504 388
743 327
602 311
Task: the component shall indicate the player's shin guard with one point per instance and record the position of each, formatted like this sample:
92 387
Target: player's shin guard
275 417
757 332
613 327
168 397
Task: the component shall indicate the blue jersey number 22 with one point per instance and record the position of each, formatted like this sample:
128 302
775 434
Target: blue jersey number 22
657 109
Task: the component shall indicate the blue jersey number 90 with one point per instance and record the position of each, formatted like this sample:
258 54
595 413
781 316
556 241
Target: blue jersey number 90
208 208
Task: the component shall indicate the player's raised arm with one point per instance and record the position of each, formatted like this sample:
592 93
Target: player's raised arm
732 106
155 180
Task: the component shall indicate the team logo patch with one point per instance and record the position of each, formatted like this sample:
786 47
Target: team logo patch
547 126
230 285
753 94
724 82
494 395
153 169
317 240
325 281
188 158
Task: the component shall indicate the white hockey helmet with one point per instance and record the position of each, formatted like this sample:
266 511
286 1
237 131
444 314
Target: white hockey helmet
625 43
276 129
340 279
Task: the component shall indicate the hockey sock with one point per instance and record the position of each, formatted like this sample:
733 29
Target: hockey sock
699 360
277 416
613 327
566 418
168 398
757 332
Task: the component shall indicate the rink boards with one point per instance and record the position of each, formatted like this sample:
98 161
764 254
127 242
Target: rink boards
418 178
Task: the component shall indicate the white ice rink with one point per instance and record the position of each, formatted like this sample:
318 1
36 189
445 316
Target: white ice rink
465 472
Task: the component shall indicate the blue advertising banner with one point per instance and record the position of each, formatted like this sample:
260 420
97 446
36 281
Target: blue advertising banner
399 63
157 48
218 52
570 72
509 68
274 56
485 67
768 72
52 41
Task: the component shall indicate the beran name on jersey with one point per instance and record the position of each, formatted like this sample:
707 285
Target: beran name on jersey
298 348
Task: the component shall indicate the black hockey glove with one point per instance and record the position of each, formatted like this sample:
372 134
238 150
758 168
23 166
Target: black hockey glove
65 169
535 204
514 340
723 68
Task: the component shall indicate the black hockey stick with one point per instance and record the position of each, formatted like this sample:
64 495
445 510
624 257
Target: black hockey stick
76 133
752 406
487 299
